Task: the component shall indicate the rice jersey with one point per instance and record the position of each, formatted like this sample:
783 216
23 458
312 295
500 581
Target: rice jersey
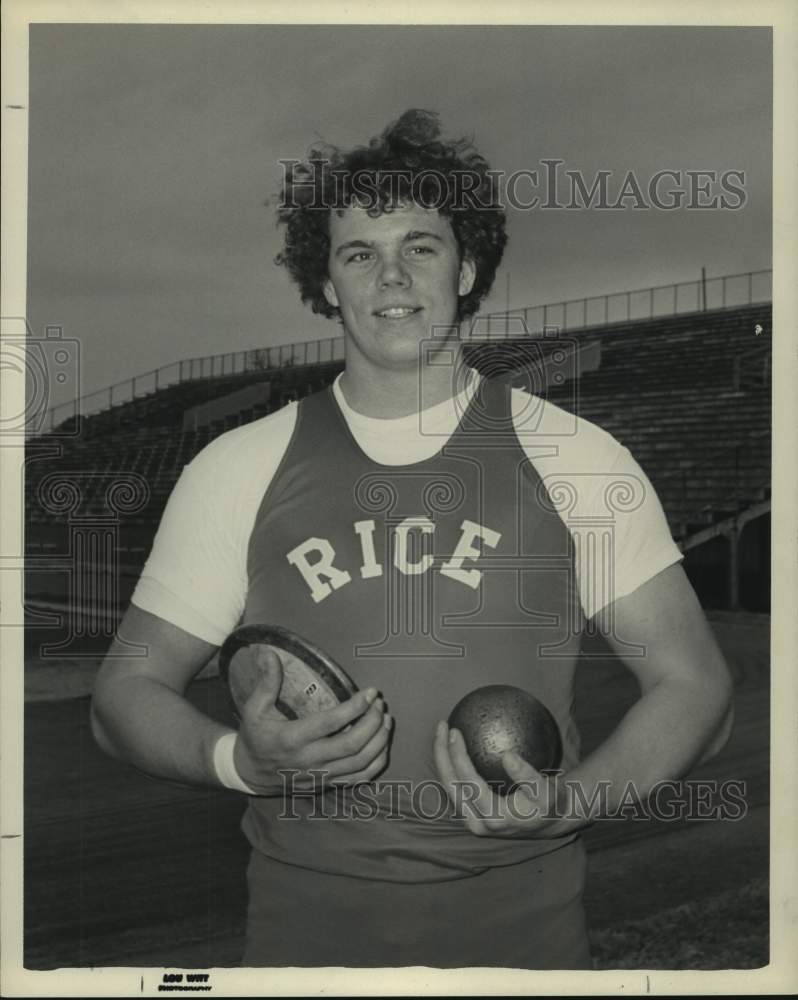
423 578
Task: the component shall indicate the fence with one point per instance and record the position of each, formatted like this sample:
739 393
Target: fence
573 314
641 304
309 352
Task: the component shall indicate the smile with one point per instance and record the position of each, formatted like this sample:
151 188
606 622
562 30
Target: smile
397 312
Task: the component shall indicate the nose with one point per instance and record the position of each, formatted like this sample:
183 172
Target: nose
393 272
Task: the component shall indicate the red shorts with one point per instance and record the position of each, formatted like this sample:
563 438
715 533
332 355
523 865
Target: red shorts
523 916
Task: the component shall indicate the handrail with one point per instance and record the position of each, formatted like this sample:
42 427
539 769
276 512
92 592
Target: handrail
736 449
753 368
309 352
751 286
701 295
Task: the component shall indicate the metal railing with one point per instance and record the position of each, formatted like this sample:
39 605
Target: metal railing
591 311
308 352
744 473
701 295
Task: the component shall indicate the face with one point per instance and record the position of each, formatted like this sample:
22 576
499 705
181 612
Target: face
395 279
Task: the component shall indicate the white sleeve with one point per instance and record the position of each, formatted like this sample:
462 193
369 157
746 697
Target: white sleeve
196 574
643 544
620 532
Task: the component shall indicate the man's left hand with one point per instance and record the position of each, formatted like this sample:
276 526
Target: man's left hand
529 810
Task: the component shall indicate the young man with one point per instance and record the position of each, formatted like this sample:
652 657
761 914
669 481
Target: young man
406 521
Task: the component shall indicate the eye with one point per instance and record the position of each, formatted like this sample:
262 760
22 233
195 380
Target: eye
420 251
359 257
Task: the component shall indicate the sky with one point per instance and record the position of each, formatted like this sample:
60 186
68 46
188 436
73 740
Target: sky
153 148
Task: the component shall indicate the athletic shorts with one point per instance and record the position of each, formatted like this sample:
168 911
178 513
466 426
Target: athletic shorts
523 916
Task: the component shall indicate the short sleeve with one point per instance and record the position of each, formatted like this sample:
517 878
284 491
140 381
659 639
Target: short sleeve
641 545
196 574
619 530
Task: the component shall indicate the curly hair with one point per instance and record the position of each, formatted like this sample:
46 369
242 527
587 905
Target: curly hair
408 163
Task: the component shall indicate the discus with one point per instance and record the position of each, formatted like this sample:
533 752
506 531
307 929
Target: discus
312 681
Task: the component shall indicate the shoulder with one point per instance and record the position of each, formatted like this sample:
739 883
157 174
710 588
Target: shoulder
239 443
598 489
547 428
196 574
251 450
229 476
583 463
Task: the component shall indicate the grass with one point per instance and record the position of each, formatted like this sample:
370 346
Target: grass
728 931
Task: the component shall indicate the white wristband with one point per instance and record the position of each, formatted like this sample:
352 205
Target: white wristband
225 766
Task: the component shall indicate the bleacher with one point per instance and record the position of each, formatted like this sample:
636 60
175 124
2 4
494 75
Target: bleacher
165 407
689 395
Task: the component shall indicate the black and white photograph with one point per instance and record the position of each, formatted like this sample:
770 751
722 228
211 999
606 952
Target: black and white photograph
398 538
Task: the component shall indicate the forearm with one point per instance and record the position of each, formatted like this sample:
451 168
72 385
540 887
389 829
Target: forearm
155 728
682 718
673 727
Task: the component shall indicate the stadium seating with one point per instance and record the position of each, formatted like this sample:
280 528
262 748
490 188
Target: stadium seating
689 395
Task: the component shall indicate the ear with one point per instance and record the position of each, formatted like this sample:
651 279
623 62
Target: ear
468 274
329 293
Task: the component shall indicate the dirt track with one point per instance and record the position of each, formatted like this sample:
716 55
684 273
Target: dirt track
124 870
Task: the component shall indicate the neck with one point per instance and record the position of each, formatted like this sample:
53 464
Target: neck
396 393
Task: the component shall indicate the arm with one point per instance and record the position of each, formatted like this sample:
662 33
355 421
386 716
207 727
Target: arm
683 716
139 714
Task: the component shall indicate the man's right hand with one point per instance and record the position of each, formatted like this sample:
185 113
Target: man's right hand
344 745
